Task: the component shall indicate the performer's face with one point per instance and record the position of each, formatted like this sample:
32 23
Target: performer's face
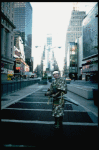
56 75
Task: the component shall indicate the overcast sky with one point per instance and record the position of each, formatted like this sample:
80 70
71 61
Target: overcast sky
52 18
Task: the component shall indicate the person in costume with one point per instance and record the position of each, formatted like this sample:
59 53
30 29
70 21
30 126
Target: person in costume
57 89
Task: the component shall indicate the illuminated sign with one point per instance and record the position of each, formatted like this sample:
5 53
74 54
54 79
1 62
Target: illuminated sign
17 53
18 68
91 67
10 72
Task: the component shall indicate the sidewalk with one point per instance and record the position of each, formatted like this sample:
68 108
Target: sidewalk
87 104
11 98
85 83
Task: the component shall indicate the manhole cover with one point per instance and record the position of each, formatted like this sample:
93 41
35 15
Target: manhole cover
5 99
14 95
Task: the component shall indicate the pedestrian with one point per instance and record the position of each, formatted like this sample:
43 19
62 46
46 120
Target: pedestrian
74 77
57 89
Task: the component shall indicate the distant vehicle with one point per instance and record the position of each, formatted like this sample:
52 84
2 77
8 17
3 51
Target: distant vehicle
30 75
39 78
68 80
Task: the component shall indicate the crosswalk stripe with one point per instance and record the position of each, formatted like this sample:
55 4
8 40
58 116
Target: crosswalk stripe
49 122
29 109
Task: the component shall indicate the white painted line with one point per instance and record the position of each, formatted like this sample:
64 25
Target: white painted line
9 103
40 92
49 122
34 102
80 123
71 100
28 109
40 97
28 121
39 102
87 109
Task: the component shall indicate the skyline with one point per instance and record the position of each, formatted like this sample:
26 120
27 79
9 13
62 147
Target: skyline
52 18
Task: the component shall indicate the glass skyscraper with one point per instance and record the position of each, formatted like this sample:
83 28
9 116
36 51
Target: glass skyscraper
23 23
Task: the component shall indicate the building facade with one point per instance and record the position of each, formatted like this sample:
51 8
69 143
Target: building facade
23 22
7 39
48 53
80 57
74 31
72 59
90 45
19 56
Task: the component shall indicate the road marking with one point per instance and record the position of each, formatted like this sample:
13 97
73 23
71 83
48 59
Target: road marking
40 92
34 102
87 109
40 97
45 90
39 102
29 109
71 100
13 101
49 122
42 109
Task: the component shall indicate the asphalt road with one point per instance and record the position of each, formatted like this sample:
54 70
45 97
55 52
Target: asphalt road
28 122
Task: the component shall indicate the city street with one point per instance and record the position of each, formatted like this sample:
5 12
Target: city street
42 43
28 123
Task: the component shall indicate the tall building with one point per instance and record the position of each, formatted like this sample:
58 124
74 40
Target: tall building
74 31
7 39
49 51
90 45
23 22
49 40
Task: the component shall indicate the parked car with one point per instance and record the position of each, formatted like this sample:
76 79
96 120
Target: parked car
68 80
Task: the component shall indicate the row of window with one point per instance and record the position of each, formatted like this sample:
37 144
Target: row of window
7 9
6 23
77 17
76 23
7 3
74 28
74 34
6 43
78 13
6 6
8 66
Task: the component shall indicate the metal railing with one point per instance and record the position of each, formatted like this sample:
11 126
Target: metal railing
12 86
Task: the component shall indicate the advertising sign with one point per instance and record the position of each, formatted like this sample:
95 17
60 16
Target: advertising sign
10 72
17 53
18 68
89 68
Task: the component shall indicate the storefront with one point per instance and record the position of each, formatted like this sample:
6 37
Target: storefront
90 70
20 65
3 73
10 74
6 71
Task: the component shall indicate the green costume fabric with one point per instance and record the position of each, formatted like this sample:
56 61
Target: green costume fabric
58 88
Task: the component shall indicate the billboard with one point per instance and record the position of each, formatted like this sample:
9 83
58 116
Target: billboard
90 33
